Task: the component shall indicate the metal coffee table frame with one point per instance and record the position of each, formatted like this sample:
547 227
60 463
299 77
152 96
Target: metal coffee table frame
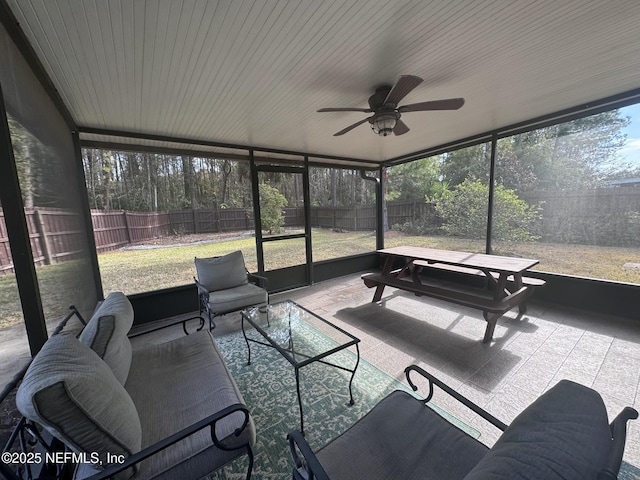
289 351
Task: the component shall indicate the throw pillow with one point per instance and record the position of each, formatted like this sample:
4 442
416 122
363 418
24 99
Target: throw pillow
74 395
106 334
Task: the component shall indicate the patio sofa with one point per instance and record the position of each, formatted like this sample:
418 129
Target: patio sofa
164 411
564 434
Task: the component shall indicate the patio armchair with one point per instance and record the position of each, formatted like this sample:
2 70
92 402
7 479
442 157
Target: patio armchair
564 435
225 285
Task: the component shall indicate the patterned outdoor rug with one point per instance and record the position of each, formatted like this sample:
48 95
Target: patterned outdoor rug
268 387
629 472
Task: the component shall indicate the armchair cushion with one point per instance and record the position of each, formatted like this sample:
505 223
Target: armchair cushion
232 299
72 393
563 434
106 334
385 443
220 273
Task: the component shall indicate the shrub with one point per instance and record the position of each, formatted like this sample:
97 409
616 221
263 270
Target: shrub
271 204
428 224
464 213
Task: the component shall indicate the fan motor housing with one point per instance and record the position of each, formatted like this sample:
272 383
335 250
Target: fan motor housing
377 99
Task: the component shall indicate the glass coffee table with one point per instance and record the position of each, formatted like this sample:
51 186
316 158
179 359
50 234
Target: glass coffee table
286 326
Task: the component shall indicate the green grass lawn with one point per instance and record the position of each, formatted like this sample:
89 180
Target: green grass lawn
60 286
134 271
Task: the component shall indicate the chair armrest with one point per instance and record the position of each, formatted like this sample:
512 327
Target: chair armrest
618 436
202 290
203 295
171 324
258 280
308 467
151 450
465 401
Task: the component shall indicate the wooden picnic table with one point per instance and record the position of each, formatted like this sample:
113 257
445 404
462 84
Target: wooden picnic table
505 286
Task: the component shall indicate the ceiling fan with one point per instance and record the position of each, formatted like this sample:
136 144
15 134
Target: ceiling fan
386 112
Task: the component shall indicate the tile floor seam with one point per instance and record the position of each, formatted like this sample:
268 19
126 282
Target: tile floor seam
533 353
636 399
566 358
603 360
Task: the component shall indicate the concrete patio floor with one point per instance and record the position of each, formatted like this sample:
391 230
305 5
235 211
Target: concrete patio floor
528 354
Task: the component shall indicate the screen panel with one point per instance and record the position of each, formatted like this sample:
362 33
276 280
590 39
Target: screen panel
50 179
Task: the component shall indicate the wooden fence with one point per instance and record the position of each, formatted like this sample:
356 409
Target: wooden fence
113 229
605 216
210 220
6 263
55 235
344 218
600 217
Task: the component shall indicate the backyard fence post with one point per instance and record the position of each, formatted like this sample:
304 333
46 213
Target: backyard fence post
42 233
355 219
195 220
126 224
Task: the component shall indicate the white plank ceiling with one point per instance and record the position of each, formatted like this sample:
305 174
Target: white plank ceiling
254 73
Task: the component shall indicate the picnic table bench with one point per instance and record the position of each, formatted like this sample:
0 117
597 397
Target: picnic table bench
502 283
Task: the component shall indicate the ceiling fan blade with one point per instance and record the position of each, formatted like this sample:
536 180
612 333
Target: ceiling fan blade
365 110
446 104
351 127
401 89
400 128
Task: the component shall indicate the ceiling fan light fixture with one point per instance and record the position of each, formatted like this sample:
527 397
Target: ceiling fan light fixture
384 124
384 104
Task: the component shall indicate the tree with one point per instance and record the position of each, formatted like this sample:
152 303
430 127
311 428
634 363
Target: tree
470 162
25 146
271 204
581 150
189 180
569 155
414 181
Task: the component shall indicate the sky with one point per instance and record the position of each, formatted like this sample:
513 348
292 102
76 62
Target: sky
631 151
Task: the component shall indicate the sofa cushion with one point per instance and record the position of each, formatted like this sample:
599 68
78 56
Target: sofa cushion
564 435
220 273
385 444
74 395
106 333
182 382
